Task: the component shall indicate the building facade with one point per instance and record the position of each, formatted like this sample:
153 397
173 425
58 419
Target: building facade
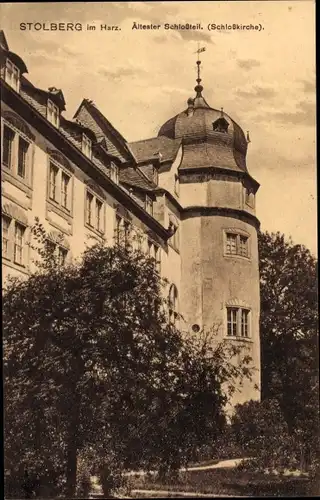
185 197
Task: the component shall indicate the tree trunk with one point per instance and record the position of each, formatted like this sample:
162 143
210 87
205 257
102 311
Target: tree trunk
71 466
72 446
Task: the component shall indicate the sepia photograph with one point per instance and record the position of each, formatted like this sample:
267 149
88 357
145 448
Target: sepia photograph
159 249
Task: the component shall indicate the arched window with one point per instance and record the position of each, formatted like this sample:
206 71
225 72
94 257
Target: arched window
173 304
18 123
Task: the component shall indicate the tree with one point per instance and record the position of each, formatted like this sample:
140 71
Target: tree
92 365
289 327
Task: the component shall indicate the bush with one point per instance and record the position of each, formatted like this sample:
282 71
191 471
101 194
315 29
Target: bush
261 431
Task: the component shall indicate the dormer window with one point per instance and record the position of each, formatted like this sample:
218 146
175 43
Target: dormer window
86 146
12 75
114 173
155 175
149 205
53 113
220 125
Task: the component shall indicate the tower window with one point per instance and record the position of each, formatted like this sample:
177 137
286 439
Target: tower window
237 244
238 322
220 125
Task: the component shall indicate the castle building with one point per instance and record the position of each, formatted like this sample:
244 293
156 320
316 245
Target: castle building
186 196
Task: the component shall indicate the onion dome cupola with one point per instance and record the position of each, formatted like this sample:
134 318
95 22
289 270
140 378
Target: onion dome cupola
211 138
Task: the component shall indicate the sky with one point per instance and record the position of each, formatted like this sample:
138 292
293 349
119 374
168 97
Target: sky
265 80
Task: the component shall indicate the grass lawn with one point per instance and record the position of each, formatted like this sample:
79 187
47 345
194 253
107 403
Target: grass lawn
226 482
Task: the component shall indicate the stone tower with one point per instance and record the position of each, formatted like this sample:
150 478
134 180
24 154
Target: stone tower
218 237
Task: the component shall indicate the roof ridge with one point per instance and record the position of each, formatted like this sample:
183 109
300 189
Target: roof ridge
154 138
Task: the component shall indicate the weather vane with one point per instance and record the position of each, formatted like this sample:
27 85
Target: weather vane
199 88
198 51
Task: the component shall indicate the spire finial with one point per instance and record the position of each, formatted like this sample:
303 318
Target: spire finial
199 88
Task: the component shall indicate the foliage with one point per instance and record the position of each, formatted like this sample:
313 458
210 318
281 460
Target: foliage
92 366
262 432
283 431
289 324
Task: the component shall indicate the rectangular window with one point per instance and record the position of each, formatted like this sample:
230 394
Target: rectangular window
157 256
6 236
118 229
238 322
243 246
23 147
232 314
244 323
86 146
8 138
94 216
53 113
237 244
99 223
12 75
149 205
231 244
89 203
18 243
56 251
62 255
127 231
53 177
114 173
65 190
50 247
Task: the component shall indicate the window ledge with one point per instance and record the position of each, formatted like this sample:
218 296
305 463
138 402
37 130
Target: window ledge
17 181
236 256
95 231
239 339
17 267
58 209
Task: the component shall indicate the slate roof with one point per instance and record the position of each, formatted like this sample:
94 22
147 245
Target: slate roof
136 179
202 145
107 127
148 149
204 155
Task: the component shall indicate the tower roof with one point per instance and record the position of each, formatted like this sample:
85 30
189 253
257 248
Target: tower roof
211 135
